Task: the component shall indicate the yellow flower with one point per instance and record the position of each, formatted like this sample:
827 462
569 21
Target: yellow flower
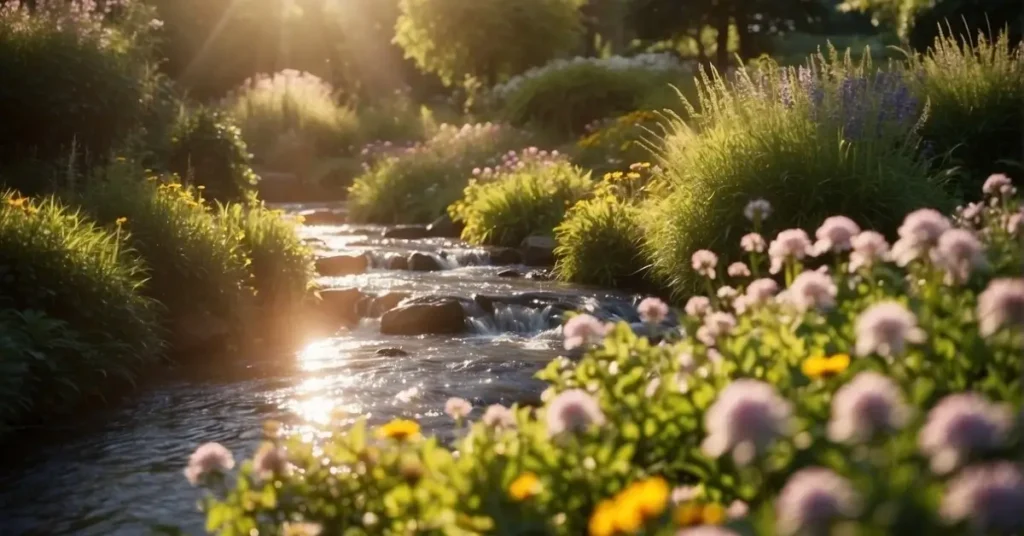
31 210
825 367
201 187
633 175
121 221
524 486
626 516
651 496
400 429
695 514
17 201
713 514
602 521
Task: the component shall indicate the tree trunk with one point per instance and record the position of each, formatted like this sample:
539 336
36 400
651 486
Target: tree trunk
744 45
722 25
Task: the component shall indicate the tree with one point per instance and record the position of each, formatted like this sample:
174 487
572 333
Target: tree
486 39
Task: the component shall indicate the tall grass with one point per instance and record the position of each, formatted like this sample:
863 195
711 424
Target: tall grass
600 243
73 322
836 137
976 93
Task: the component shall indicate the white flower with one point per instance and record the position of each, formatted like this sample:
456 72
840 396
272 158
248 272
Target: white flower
920 231
208 458
745 418
726 293
738 269
791 244
885 328
757 210
835 234
958 252
457 408
697 306
870 404
869 247
573 411
582 329
753 243
813 290
1001 305
498 416
652 310
704 263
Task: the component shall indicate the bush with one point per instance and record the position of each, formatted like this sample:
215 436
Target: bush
504 210
73 75
73 324
418 184
207 150
609 145
833 138
488 40
842 402
563 96
197 266
976 93
290 114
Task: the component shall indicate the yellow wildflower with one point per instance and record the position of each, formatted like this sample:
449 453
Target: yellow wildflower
524 486
31 210
633 175
626 516
818 367
602 521
201 187
400 429
17 201
121 221
694 514
713 514
651 496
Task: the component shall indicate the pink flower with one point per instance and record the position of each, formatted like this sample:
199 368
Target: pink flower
813 290
270 460
920 231
998 185
869 405
704 263
738 269
1015 224
719 323
958 252
869 247
745 418
812 500
697 306
988 497
208 458
885 328
573 411
960 426
835 234
761 291
457 408
498 416
791 244
1000 306
753 243
582 329
757 210
652 310
726 293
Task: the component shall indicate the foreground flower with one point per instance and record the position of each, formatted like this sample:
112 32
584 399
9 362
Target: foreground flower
583 329
573 411
835 235
989 497
652 310
790 245
627 512
886 328
697 306
869 405
719 324
498 416
958 253
761 291
920 231
738 269
819 367
525 486
747 416
457 408
707 530
960 426
869 247
753 243
400 430
602 521
812 500
813 290
1001 305
648 497
270 460
208 458
704 263
696 513
998 185
757 210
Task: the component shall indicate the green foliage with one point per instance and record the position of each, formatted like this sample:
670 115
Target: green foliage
837 137
611 144
732 416
504 210
207 150
71 77
488 40
563 97
599 243
197 267
73 324
967 17
417 185
976 94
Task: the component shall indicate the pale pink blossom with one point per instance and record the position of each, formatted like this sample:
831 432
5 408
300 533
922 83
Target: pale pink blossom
652 310
869 247
958 253
745 418
757 210
270 460
753 243
719 323
812 500
869 405
990 498
583 329
886 328
813 290
738 269
697 306
835 234
498 416
704 263
761 291
573 411
208 458
920 232
1015 224
960 426
789 245
457 408
727 293
1000 306
998 185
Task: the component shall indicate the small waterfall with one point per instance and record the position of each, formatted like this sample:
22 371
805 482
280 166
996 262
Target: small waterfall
513 318
465 257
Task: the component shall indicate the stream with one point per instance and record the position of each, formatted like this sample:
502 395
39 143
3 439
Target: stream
118 471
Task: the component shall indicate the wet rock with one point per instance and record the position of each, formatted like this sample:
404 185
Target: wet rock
407 232
510 273
436 316
385 302
324 217
201 332
484 302
504 256
444 227
341 304
421 262
342 265
313 241
391 352
397 262
539 275
538 251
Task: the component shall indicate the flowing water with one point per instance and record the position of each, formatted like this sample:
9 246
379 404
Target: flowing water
119 471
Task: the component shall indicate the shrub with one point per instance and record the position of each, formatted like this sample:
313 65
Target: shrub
976 93
835 137
565 96
488 40
846 400
207 150
418 184
73 74
73 323
610 144
284 115
530 200
197 267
